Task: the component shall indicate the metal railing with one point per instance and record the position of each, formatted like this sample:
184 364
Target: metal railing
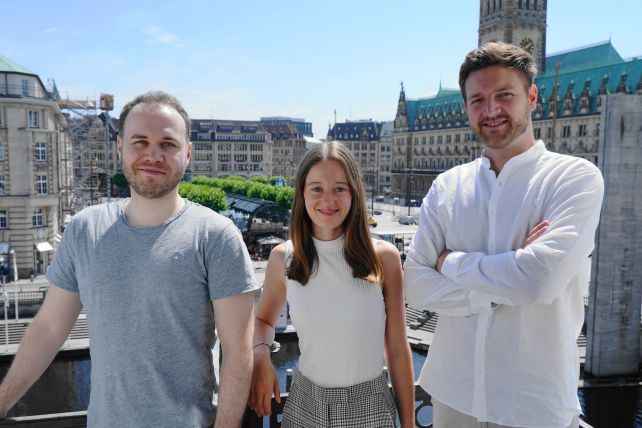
250 419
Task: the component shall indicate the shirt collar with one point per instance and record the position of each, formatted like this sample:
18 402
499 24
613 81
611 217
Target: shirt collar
529 155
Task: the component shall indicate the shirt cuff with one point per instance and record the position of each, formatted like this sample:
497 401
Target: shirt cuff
449 266
479 302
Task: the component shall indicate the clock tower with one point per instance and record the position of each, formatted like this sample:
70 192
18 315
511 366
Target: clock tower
520 22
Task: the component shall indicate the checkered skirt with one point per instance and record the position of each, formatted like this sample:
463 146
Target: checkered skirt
364 405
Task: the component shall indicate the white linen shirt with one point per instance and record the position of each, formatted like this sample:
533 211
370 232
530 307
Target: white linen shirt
505 350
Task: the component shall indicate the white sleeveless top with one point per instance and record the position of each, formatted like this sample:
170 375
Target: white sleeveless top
340 320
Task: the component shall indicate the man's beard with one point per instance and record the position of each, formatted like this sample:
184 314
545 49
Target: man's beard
151 188
514 128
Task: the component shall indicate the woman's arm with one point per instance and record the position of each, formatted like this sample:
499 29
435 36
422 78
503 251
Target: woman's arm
397 349
264 379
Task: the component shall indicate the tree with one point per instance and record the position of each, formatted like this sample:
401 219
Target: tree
205 195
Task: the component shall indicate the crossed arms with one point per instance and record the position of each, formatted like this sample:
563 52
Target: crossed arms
467 282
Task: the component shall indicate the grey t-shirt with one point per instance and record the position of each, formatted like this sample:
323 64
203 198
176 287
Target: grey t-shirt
147 293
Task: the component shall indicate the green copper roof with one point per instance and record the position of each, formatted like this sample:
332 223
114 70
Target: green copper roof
582 58
444 92
624 77
593 69
8 66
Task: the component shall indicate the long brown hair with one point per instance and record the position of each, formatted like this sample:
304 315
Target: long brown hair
358 249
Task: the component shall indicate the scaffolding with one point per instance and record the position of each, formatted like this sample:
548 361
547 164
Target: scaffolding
93 133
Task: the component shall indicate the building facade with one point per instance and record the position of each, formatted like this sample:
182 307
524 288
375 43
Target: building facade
223 148
372 152
289 146
432 134
519 22
35 169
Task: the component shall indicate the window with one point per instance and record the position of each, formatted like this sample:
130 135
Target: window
1 151
566 131
40 152
34 119
37 218
25 88
581 130
3 219
2 185
41 184
1 118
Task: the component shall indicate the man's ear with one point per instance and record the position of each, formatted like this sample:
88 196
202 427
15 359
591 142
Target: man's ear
532 96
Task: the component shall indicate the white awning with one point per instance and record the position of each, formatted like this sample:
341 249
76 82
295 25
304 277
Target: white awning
44 246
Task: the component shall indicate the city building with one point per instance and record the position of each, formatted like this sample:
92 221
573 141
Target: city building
372 152
289 146
223 148
35 169
432 134
304 127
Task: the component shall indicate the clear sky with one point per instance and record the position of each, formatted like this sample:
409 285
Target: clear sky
234 59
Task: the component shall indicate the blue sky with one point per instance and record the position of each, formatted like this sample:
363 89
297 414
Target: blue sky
247 59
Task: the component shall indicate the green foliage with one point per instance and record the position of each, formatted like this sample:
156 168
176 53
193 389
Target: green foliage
119 180
203 194
253 188
277 177
259 179
285 196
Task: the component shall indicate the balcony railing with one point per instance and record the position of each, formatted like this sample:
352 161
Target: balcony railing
250 419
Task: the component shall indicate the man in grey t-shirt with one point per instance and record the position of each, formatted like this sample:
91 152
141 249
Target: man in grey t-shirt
152 273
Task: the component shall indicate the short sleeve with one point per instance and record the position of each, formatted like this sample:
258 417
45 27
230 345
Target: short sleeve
228 264
62 271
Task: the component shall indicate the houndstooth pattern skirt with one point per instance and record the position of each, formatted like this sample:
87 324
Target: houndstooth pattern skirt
364 405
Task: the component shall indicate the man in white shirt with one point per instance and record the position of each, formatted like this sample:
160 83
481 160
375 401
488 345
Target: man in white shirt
502 255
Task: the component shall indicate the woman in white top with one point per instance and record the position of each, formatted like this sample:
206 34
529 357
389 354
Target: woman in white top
346 301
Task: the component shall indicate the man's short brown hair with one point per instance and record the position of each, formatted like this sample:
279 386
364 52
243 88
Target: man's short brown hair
497 53
159 98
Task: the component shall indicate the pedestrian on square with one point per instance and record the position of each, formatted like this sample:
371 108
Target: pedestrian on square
345 294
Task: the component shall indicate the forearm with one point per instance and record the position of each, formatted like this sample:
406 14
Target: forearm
401 374
38 348
427 289
263 332
236 374
538 272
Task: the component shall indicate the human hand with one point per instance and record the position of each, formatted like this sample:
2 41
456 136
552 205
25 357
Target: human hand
441 259
535 233
264 383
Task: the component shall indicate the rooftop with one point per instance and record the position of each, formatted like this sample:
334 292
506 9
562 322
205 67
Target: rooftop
8 66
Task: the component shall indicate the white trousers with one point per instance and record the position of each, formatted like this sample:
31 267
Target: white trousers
444 416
